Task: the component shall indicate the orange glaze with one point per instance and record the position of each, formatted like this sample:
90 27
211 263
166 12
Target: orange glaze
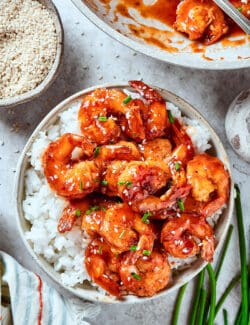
165 12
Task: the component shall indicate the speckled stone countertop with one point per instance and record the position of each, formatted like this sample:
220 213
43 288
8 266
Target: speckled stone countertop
92 58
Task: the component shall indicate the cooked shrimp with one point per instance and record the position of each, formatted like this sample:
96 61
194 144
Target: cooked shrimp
201 19
122 150
94 214
99 112
147 276
209 181
154 112
68 177
179 236
71 212
140 179
122 228
102 266
156 149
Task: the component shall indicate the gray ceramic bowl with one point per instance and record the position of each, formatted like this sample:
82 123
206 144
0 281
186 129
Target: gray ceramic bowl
179 49
54 70
86 291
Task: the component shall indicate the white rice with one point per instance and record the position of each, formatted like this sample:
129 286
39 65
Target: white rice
43 208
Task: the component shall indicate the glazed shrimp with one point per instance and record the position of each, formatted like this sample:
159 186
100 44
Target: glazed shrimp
178 237
147 276
209 181
154 111
73 210
102 266
201 20
68 177
141 179
157 149
100 111
122 228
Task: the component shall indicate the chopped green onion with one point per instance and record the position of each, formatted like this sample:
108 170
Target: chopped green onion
195 304
103 208
231 285
102 118
100 249
96 152
128 183
127 99
95 208
178 304
243 258
136 276
225 317
78 212
88 211
203 296
81 186
170 117
104 182
177 166
213 294
146 252
122 234
180 205
145 217
133 248
224 250
239 8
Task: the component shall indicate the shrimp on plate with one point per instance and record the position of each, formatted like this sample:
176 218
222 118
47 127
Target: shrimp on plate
68 177
122 228
103 265
157 149
179 237
100 114
154 110
210 182
148 275
201 19
73 210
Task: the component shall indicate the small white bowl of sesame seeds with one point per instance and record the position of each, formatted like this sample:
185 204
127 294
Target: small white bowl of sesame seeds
31 49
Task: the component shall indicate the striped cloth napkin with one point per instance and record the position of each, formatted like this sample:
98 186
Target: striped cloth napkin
27 300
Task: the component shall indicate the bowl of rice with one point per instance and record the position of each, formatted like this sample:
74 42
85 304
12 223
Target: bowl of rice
31 49
61 256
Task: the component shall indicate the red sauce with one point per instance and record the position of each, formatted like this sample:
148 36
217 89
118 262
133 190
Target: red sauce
164 11
40 315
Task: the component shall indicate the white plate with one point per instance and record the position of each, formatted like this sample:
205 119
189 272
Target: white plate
86 291
219 56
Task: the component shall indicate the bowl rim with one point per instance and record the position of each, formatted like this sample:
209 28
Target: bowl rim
93 295
154 52
54 69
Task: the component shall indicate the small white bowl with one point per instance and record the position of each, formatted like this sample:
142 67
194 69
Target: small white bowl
54 69
86 291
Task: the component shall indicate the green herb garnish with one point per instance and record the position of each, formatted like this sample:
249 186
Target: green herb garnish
239 8
128 183
146 252
88 211
136 276
78 212
96 152
104 182
102 118
145 217
177 166
181 205
133 248
178 304
170 117
127 99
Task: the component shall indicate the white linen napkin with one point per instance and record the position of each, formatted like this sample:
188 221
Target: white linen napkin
27 300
